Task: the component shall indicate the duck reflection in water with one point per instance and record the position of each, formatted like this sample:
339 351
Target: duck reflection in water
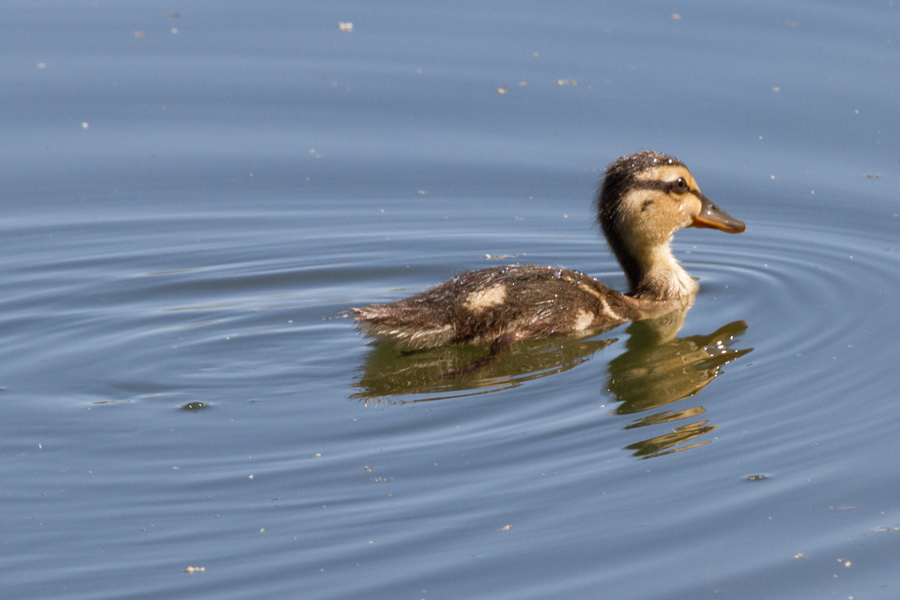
656 369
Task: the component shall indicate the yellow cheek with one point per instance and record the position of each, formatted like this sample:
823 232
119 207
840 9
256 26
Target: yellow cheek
693 207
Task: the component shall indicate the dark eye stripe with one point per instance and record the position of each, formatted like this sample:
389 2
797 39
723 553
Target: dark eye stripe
663 186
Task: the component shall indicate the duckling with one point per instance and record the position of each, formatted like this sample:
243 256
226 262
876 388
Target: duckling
643 200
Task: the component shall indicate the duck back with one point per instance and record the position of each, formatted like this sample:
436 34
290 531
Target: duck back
523 301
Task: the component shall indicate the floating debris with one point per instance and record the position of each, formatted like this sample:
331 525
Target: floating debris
194 406
192 570
345 26
503 90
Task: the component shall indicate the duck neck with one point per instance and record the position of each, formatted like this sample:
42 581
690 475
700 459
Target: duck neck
656 275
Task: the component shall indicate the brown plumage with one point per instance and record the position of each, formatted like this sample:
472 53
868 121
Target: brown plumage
643 200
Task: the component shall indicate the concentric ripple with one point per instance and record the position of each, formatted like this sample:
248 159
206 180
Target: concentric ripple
806 291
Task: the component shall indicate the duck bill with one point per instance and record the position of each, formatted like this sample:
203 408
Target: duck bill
713 217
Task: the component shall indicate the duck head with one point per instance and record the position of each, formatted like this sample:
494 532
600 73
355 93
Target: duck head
643 200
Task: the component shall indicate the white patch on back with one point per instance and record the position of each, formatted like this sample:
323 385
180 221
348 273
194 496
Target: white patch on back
482 299
583 320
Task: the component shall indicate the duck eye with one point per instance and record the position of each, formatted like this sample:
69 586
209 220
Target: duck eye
680 185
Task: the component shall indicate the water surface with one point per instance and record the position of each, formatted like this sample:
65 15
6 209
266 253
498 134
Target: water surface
193 194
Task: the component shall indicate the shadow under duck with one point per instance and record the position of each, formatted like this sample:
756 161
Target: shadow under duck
643 200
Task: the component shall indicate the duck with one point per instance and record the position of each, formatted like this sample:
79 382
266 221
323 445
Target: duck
643 199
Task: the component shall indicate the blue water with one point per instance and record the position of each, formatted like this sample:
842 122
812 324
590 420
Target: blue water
193 194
